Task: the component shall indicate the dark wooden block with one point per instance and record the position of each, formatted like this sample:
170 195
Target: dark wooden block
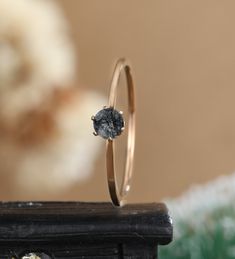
83 230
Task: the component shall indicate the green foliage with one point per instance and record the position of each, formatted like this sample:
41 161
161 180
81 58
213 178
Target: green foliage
210 237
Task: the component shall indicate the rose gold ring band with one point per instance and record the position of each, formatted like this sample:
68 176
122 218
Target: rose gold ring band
118 196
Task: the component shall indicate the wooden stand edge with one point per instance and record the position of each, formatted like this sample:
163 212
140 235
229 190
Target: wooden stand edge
63 230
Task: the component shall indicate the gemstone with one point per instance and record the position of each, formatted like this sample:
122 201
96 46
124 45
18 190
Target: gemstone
108 123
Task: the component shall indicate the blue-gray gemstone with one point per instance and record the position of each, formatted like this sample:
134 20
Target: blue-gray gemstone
108 123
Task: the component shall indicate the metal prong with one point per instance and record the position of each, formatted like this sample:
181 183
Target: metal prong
105 106
95 133
110 138
121 112
122 128
92 117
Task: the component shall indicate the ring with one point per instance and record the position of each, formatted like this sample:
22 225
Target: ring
109 123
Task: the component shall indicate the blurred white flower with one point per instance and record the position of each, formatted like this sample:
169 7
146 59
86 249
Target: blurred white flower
36 53
68 157
46 141
199 202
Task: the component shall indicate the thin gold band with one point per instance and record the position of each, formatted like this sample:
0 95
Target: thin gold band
117 195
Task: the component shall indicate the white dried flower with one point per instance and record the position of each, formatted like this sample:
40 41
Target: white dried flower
198 202
67 158
36 54
31 256
46 141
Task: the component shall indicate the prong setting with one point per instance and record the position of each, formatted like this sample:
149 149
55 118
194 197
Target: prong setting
92 117
95 133
108 123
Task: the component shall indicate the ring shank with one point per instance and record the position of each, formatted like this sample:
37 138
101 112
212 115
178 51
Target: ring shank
117 195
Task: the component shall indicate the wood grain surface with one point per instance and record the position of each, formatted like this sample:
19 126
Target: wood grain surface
82 230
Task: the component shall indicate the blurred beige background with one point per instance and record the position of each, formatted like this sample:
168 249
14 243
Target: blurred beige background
183 54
